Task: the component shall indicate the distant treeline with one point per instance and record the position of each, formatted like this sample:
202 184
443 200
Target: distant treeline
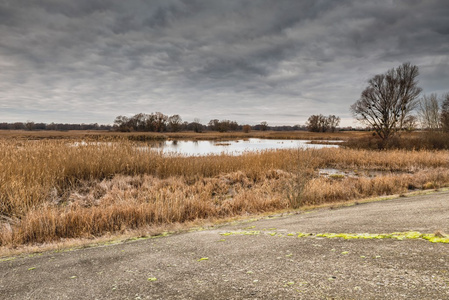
52 126
158 122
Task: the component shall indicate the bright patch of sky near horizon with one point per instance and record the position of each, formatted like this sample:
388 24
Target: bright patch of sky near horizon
89 61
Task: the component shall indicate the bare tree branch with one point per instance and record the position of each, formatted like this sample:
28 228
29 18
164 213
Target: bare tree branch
388 100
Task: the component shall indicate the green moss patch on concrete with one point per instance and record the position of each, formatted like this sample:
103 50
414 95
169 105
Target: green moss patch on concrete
410 235
395 235
253 232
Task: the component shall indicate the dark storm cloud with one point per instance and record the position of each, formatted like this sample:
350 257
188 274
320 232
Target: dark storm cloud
278 61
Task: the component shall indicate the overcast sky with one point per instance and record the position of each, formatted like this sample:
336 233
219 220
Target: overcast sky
87 61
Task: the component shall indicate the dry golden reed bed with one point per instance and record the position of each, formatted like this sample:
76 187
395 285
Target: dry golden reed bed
148 136
51 189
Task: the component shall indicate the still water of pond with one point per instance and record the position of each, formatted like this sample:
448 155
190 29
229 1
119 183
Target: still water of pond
199 148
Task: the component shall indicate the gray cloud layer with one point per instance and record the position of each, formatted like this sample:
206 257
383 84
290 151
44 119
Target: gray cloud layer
278 61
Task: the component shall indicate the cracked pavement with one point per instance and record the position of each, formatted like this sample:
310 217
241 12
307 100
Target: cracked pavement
263 259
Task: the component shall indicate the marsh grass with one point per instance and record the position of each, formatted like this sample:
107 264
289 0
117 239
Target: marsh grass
187 135
52 190
302 170
423 140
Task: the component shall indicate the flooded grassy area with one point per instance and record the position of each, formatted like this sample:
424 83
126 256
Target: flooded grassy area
50 191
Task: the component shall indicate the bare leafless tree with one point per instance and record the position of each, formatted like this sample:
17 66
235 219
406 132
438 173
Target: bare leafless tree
196 125
387 101
121 123
410 123
333 122
29 125
444 118
263 126
160 121
214 124
174 123
429 112
320 123
317 123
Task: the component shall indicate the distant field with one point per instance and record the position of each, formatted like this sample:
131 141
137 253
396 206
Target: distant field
51 190
77 134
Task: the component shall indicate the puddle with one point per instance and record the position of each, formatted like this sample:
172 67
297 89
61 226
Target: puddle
336 173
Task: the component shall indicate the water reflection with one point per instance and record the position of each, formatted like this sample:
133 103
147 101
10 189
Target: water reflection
199 148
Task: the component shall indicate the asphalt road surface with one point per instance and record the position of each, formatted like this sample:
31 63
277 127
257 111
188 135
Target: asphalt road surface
262 259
